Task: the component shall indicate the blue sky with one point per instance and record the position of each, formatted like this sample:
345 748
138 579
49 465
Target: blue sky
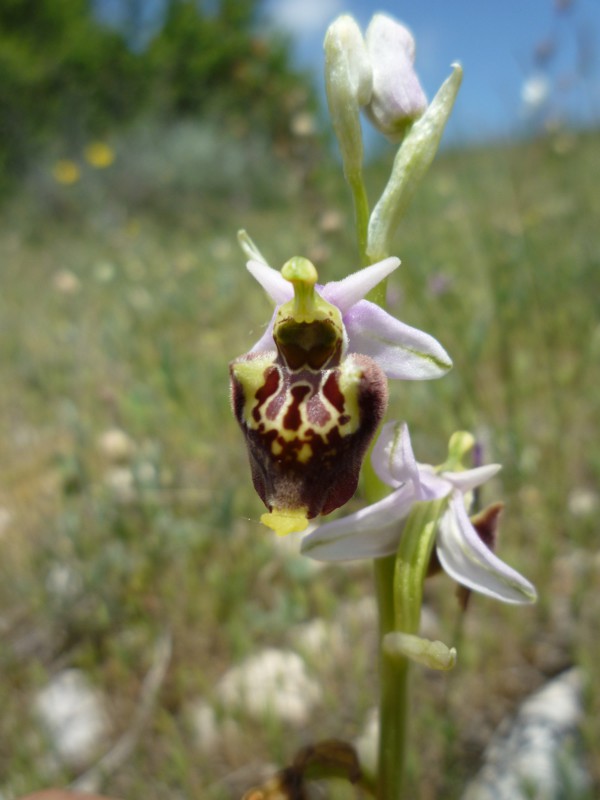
494 40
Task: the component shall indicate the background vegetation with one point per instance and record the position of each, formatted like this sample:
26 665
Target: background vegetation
67 79
123 298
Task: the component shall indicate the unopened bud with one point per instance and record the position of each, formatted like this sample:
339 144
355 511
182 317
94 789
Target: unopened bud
348 82
397 98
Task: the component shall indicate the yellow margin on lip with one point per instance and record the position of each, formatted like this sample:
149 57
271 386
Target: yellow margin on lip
284 521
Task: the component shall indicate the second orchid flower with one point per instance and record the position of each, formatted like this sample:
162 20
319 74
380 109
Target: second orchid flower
375 531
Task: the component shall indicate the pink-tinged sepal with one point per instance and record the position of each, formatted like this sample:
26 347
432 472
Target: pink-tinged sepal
307 431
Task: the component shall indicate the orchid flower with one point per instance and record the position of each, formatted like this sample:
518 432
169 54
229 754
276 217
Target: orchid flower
375 531
310 394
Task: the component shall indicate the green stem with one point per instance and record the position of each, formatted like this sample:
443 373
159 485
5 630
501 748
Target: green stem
361 214
399 589
393 673
393 701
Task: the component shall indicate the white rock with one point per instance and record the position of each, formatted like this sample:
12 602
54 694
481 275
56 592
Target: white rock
367 744
210 733
273 682
116 445
535 756
121 482
320 642
360 613
66 282
73 715
583 502
63 582
204 723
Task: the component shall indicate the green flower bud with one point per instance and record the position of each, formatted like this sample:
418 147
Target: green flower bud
348 83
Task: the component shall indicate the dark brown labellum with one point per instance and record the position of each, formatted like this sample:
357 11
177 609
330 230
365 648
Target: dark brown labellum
307 431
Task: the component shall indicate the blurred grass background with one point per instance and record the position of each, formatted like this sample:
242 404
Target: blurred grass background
124 296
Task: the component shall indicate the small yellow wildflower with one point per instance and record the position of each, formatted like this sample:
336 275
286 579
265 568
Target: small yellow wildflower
66 172
99 155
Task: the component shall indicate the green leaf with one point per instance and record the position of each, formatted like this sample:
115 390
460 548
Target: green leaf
412 161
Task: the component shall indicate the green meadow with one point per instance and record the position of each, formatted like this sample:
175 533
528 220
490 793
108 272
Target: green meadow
123 298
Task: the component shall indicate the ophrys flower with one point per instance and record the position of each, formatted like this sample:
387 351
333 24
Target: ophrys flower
311 393
375 531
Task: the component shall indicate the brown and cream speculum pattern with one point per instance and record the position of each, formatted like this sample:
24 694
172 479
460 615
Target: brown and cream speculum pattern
308 412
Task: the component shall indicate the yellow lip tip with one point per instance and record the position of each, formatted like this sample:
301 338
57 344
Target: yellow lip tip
285 521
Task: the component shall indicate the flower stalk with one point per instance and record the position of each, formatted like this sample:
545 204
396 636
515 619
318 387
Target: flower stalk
378 75
399 582
394 693
361 217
